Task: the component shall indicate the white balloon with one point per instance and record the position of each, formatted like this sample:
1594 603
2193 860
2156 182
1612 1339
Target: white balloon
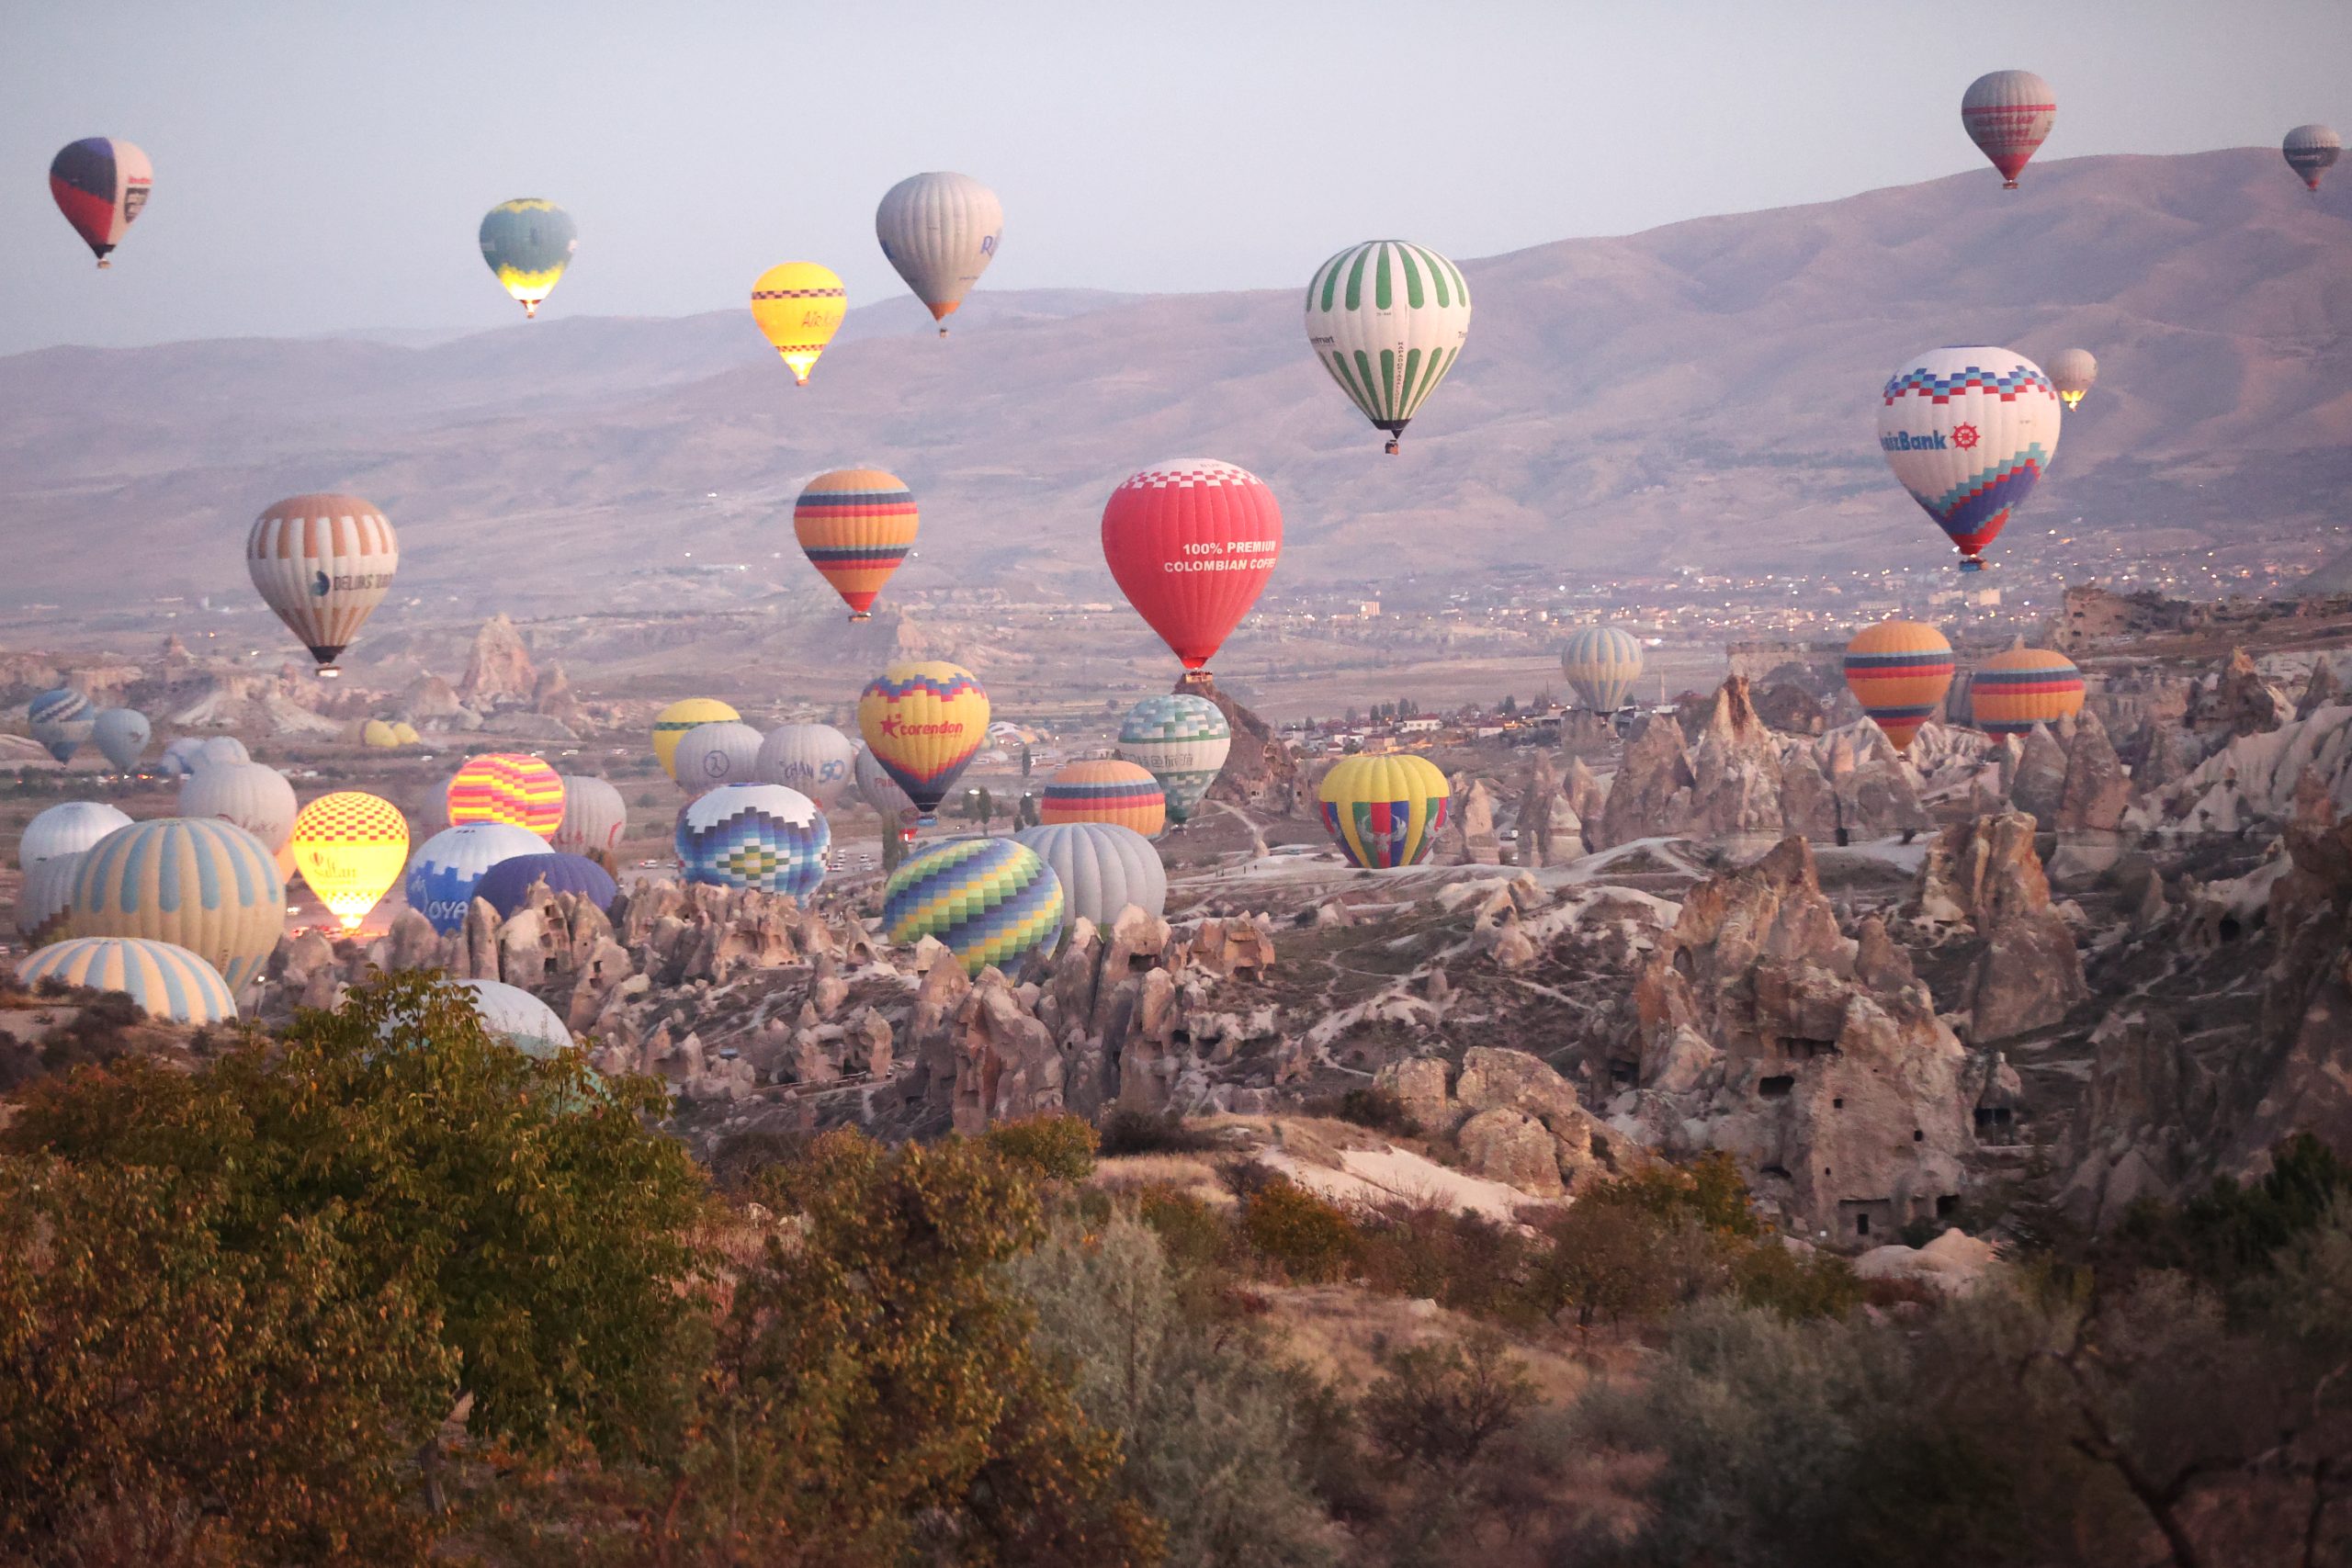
710 755
940 230
1104 868
815 758
253 796
595 818
67 830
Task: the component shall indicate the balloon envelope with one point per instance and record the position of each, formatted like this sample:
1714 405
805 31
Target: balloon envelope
595 818
513 1014
1105 789
350 848
815 758
1969 432
2312 150
1899 670
924 722
1388 320
61 720
1385 812
1191 542
940 230
709 755
67 828
166 980
798 307
506 786
122 735
2008 114
1183 740
507 886
2073 371
100 183
323 562
45 898
754 835
529 242
220 748
880 791
856 525
672 723
1102 868
988 900
1602 664
2021 688
253 796
205 884
447 868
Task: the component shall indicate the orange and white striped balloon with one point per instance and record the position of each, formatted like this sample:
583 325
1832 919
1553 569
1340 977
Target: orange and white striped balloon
323 562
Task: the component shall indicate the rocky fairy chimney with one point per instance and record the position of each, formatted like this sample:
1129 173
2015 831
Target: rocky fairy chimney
499 666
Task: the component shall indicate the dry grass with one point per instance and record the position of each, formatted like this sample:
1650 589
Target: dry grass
1195 1175
1340 1331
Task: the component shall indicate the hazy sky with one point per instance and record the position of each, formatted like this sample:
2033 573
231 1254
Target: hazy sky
320 166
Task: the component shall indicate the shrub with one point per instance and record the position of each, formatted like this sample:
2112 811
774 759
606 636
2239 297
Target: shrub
1608 1263
1055 1147
1438 1406
1304 1235
1464 1261
1709 1191
1194 1236
1381 1110
1796 1285
1127 1132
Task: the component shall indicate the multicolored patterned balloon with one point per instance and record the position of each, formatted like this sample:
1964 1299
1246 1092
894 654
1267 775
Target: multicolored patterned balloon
2014 691
1183 740
507 786
1388 319
672 723
166 980
529 242
350 848
204 884
61 720
856 525
1602 664
1969 432
2008 114
1899 670
988 900
448 866
1385 812
923 722
756 835
1105 789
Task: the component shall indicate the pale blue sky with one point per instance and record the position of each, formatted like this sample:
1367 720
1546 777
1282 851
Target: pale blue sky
321 166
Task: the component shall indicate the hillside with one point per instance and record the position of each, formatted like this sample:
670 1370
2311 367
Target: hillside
1698 394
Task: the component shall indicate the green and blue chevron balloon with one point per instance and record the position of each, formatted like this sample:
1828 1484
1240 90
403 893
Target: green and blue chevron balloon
1388 319
1181 740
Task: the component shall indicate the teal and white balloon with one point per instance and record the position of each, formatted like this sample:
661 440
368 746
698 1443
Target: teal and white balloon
1602 664
122 735
61 720
1103 867
513 1014
165 981
1182 741
1388 319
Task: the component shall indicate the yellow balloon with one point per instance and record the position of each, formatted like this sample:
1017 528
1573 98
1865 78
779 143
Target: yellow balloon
670 726
376 733
799 307
1385 812
350 848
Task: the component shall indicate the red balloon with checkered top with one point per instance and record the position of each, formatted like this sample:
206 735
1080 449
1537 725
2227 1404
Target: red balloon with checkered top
1191 542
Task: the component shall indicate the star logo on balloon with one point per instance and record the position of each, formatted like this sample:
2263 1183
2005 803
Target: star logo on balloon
1965 436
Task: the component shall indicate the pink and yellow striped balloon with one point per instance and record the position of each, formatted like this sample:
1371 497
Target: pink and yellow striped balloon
509 787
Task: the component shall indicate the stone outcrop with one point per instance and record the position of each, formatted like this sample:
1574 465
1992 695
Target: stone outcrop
498 667
2095 791
1515 1119
1468 836
2039 780
2237 701
1982 885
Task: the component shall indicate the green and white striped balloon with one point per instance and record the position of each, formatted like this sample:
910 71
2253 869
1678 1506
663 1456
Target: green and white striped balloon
1388 319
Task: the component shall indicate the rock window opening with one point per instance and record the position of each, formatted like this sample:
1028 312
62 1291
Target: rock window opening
2229 929
1917 1136
1776 1088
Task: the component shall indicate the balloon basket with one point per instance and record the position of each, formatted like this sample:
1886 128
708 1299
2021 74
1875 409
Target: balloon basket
329 672
104 263
1392 448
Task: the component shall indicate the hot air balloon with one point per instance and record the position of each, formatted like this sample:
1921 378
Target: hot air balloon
880 791
1191 542
2073 371
1899 670
1969 432
2014 691
350 848
1102 868
100 183
219 750
988 900
815 758
180 757
756 835
165 980
506 786
798 307
323 562
856 525
1106 790
446 867
122 735
379 734
513 1014
2008 114
673 721
45 898
2312 150
507 886
940 230
1183 740
61 720
709 755
1385 812
1602 664
1388 319
529 242
66 829
924 722
205 884
595 818
254 796
404 733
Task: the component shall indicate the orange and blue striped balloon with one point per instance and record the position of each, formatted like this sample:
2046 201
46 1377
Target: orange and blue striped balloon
509 787
1106 789
1899 670
2024 687
856 525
